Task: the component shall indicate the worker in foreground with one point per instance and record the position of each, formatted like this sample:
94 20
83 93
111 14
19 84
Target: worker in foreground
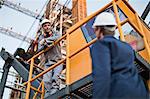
52 56
114 74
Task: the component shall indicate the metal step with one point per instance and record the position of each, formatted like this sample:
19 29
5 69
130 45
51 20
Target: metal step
79 90
142 66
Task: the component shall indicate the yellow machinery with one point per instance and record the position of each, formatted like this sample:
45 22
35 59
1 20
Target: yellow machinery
78 61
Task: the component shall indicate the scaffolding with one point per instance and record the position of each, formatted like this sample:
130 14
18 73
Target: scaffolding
132 18
77 51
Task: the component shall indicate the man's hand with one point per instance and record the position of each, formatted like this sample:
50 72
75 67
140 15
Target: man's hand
42 42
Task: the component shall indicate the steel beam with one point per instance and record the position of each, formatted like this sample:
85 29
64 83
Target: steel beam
4 78
23 72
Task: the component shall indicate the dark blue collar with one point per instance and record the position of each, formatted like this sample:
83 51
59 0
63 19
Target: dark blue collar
109 36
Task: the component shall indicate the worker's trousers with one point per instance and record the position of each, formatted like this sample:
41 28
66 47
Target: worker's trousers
51 75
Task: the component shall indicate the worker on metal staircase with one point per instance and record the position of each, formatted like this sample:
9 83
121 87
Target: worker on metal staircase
114 73
52 56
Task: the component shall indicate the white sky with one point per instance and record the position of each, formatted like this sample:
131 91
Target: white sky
21 22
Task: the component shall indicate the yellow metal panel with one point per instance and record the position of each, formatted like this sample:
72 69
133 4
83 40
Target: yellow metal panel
80 64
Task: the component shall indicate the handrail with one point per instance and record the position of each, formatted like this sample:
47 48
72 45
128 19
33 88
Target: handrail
36 89
74 27
71 30
42 73
118 21
69 56
35 65
41 52
43 91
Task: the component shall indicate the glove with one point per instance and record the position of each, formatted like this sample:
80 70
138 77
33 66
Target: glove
42 42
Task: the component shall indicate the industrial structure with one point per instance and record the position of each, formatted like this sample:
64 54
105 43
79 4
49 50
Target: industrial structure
75 28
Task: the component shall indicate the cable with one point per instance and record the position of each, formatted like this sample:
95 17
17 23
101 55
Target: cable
27 33
148 23
66 3
33 23
54 6
64 7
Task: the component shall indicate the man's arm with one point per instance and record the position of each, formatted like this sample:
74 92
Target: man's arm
48 41
53 38
101 65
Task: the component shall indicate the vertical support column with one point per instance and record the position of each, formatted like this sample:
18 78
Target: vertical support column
43 91
4 79
118 21
34 97
61 26
35 48
30 76
148 82
79 10
47 12
68 66
144 36
50 10
61 20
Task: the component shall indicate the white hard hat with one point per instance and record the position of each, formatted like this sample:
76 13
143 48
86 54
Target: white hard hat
45 21
104 19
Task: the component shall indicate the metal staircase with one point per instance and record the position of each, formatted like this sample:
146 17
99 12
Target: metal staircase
21 70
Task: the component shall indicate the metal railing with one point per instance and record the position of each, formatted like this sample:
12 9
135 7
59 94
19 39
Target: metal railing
67 37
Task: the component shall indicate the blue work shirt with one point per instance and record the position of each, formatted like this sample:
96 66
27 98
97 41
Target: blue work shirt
114 73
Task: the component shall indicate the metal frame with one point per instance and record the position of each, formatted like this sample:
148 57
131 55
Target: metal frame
145 63
11 61
146 11
88 80
4 78
144 67
115 3
73 87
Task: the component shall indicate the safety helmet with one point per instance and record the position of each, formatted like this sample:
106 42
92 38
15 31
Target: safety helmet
45 21
104 19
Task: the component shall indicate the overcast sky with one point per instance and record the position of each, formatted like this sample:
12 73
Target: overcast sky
21 23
